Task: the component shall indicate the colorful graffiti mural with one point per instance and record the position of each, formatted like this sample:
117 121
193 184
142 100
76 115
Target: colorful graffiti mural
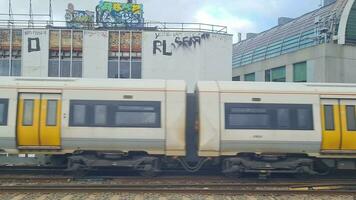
113 14
79 18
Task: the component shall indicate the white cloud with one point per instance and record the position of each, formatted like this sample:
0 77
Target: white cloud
220 16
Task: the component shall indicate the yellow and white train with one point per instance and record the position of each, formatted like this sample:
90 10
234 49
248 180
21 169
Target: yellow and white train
149 125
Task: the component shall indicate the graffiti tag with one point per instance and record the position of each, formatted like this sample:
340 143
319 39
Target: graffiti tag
113 14
78 18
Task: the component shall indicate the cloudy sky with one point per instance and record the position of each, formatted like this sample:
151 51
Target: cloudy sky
239 15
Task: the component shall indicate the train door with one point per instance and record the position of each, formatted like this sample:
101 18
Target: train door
348 124
330 120
38 121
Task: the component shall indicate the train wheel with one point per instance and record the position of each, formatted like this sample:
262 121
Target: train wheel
151 169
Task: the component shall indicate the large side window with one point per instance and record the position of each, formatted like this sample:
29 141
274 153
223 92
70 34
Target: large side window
269 116
115 113
4 104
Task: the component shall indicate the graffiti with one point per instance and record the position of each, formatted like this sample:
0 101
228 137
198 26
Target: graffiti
179 42
33 44
113 14
161 46
78 18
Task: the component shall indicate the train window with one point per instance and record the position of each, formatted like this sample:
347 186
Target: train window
115 113
51 119
351 118
329 117
28 112
269 116
79 114
100 114
3 111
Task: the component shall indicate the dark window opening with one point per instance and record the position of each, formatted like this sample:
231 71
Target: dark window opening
329 117
4 104
351 118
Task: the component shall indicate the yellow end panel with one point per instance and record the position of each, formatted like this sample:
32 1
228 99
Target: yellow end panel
348 137
331 138
50 133
27 135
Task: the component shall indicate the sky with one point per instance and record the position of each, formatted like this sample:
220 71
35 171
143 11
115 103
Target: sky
240 16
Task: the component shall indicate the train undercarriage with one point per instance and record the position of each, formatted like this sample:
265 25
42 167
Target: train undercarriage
264 165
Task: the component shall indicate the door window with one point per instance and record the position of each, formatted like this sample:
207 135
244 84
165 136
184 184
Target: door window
351 118
51 113
28 112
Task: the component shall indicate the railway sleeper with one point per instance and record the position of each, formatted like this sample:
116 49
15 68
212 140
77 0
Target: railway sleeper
146 165
236 166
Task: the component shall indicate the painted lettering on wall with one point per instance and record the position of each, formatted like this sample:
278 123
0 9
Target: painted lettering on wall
161 46
113 14
79 18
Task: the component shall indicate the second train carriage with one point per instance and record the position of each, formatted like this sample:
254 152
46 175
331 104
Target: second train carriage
278 127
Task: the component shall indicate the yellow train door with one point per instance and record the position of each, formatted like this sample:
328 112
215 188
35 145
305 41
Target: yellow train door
330 120
38 121
348 124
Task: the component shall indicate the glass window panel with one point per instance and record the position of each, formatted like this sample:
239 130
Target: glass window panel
77 68
135 118
2 113
65 68
300 72
268 75
4 68
304 119
247 121
236 78
16 68
279 74
113 69
250 77
136 70
351 118
28 112
52 112
79 114
53 68
100 114
329 117
124 69
283 121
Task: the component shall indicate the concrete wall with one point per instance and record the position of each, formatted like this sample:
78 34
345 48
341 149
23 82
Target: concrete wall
189 56
35 53
325 63
95 54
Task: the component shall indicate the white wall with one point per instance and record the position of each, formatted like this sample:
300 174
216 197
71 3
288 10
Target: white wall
189 56
95 54
35 52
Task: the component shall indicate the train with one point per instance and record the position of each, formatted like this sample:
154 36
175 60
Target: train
152 125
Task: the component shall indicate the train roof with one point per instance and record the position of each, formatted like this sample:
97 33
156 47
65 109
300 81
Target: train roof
79 83
273 87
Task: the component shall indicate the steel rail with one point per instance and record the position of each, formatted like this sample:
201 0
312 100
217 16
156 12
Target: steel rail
177 189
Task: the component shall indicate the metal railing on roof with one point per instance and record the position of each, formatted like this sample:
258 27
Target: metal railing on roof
159 26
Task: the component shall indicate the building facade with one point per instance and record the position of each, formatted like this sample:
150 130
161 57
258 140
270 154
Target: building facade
123 50
316 47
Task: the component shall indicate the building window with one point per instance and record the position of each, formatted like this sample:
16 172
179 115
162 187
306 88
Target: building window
269 116
128 114
276 74
250 77
300 72
236 78
65 53
10 52
125 50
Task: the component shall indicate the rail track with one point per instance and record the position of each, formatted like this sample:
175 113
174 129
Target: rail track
189 188
191 184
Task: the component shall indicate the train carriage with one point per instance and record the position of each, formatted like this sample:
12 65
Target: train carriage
71 116
277 127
